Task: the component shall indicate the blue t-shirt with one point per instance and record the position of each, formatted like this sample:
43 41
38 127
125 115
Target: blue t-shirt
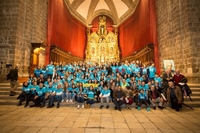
26 89
90 94
50 69
152 71
41 92
37 72
33 88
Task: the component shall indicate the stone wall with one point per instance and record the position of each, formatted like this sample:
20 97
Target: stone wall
178 34
22 22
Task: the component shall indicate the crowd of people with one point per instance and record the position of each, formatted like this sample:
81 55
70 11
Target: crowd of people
88 83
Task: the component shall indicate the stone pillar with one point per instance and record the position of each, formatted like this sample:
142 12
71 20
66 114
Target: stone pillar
179 35
23 22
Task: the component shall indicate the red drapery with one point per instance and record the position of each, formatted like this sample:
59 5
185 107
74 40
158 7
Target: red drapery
64 31
139 30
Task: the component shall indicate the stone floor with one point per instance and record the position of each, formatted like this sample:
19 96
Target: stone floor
15 119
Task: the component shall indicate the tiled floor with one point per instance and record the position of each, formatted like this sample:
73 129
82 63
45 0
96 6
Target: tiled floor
15 119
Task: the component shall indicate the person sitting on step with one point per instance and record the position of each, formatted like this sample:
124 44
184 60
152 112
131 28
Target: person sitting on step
118 98
39 95
56 96
90 97
105 95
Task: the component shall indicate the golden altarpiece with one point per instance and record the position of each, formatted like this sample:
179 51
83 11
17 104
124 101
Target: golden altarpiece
102 46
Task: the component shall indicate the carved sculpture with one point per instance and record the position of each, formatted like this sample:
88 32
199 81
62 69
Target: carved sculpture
102 47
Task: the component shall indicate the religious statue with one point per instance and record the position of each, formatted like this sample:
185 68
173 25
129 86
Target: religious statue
102 26
102 46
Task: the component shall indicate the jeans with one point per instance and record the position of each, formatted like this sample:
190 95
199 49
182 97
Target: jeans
157 100
90 101
80 99
143 101
105 99
118 103
52 99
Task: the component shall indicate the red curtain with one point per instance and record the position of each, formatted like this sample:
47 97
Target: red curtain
64 30
139 30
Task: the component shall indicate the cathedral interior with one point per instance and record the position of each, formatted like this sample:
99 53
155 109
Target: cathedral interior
36 32
165 34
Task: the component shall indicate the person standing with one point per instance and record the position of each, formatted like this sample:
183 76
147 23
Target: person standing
152 72
13 77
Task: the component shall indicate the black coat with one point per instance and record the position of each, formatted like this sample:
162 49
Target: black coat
13 75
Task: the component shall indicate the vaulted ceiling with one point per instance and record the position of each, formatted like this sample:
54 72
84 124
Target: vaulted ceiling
87 10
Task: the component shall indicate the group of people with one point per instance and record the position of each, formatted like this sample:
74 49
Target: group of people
87 83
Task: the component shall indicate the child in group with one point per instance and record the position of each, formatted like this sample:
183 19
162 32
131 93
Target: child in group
105 95
142 100
90 97
80 97
128 100
65 92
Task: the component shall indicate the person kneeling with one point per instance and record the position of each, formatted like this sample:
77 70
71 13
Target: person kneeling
174 96
155 97
142 100
118 98
105 95
39 95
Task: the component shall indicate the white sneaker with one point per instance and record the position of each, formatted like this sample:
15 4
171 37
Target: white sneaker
67 100
62 100
82 106
70 101
78 106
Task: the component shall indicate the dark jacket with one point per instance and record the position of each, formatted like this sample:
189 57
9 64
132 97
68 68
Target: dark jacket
156 93
178 94
13 75
115 94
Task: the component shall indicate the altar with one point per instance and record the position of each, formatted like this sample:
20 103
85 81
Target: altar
102 46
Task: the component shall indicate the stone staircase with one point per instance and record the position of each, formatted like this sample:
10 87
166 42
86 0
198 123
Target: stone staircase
5 99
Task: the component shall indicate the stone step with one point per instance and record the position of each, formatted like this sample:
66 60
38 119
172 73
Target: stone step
96 105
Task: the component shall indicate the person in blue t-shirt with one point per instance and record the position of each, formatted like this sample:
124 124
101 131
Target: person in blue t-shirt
50 69
37 72
105 95
152 72
142 99
49 90
90 97
44 72
25 92
65 92
32 93
80 97
39 95
56 96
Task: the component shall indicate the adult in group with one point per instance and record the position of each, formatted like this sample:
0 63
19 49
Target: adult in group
152 72
178 77
118 98
13 77
174 96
